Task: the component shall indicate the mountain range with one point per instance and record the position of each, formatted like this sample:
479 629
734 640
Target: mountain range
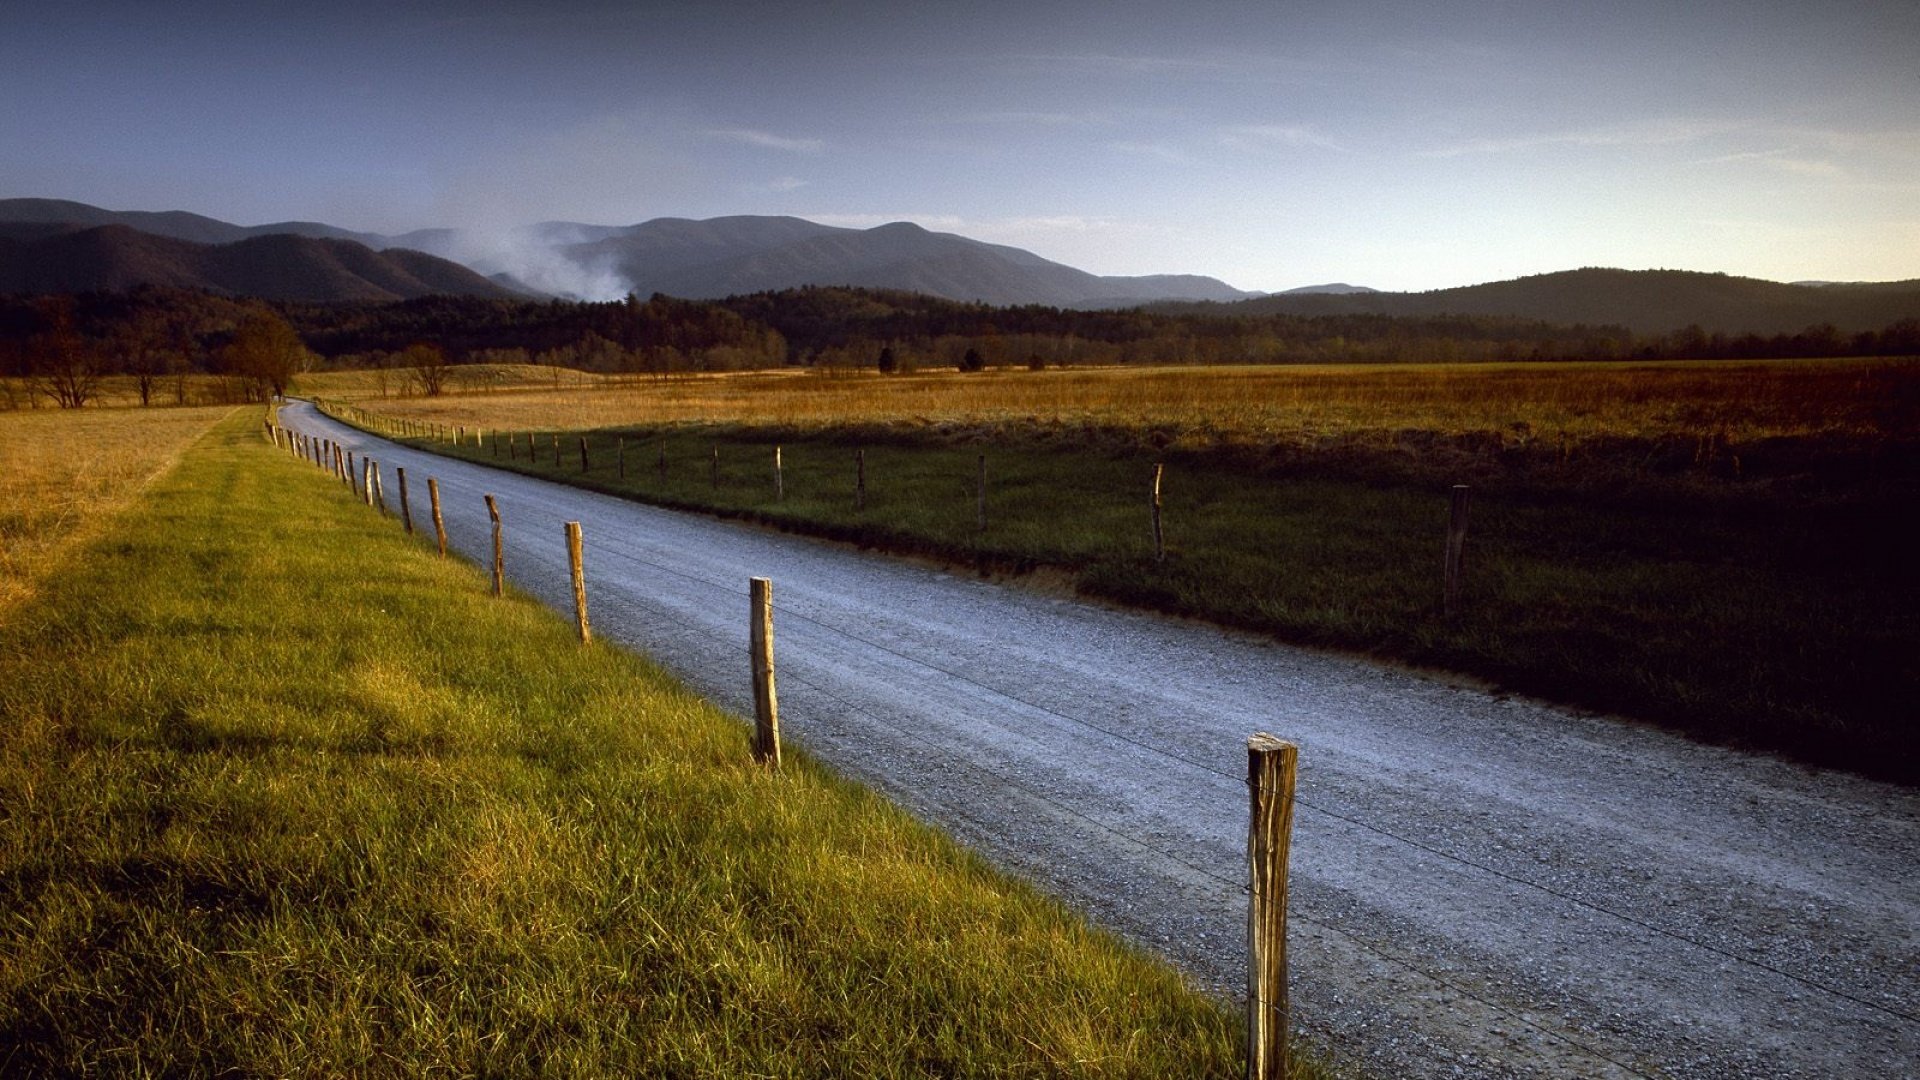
689 259
1644 301
275 266
49 245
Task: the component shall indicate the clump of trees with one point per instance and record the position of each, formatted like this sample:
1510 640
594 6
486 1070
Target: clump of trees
266 353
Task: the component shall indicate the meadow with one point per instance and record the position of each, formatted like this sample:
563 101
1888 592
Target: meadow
64 473
1713 547
281 792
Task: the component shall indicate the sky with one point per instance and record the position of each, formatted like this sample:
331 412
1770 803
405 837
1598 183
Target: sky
1274 144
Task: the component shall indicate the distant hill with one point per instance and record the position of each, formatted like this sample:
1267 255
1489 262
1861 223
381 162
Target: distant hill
177 224
1338 287
732 256
277 266
1644 301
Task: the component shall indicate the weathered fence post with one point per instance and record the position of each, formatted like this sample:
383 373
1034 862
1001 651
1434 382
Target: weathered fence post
620 453
860 480
513 452
439 526
366 480
575 559
499 550
982 487
1159 540
583 453
1456 544
406 511
352 476
379 490
556 450
661 465
766 706
1270 774
715 471
779 478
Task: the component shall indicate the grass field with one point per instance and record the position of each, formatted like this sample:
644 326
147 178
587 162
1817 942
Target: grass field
62 473
282 793
1717 548
1520 404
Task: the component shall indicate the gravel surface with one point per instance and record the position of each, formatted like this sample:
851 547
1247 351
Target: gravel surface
1481 885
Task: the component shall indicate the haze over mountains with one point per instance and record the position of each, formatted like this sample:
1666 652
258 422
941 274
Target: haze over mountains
700 259
51 245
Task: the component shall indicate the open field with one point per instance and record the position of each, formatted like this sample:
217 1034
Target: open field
281 793
62 473
1517 404
1714 548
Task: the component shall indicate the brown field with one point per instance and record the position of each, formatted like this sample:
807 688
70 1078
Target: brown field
63 472
1561 403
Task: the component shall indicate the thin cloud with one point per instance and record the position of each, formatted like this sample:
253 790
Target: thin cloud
1782 161
1661 132
768 141
1128 64
1019 118
1157 151
1261 136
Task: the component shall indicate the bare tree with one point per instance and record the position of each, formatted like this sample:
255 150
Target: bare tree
431 370
59 363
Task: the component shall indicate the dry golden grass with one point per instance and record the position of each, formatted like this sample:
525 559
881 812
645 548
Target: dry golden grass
64 472
1296 405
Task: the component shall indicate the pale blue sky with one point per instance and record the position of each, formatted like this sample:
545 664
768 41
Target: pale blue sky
1403 146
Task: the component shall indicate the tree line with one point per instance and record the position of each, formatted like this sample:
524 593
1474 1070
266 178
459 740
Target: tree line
62 346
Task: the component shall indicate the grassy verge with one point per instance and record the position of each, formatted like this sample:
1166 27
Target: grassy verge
281 793
1759 596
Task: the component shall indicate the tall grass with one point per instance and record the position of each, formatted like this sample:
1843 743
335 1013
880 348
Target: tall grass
282 793
62 473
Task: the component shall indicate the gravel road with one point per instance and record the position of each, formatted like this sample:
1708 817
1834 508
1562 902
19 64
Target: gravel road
1482 885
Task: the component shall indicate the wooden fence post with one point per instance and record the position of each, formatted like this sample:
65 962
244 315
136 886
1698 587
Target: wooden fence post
779 478
499 550
766 706
583 453
620 452
353 480
983 493
556 450
513 452
716 465
379 490
860 480
366 480
1159 540
575 559
1456 544
1270 775
661 465
406 512
439 526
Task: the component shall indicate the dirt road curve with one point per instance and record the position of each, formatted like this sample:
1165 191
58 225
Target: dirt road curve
1482 886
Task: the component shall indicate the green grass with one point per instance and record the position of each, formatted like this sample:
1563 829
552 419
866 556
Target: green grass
282 793
1768 603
